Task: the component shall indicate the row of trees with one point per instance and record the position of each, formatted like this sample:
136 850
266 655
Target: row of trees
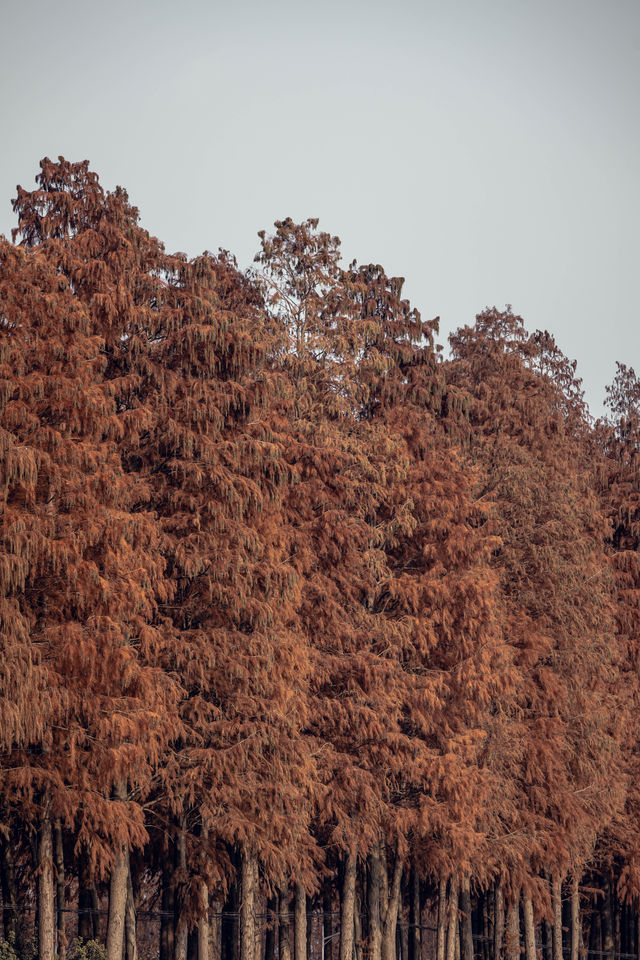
296 613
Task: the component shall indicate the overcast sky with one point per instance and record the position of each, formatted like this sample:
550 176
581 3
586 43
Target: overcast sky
486 150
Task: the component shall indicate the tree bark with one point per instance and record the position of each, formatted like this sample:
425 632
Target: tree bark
453 919
204 925
46 902
414 915
347 907
390 921
375 930
247 906
513 930
182 930
130 937
608 947
284 932
467 931
556 895
60 885
118 893
498 927
358 924
441 937
575 919
300 923
529 929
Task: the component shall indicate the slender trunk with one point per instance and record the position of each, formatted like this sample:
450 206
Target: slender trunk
414 915
452 933
529 929
638 936
498 927
575 918
375 930
46 903
347 917
204 924
60 883
607 924
182 930
357 925
513 930
300 924
130 938
247 906
284 932
441 937
556 895
118 891
467 931
390 924
547 940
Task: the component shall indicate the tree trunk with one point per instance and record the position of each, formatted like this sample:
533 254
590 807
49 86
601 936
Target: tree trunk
498 926
248 906
118 892
575 919
414 915
441 936
204 925
452 933
390 923
375 930
608 947
300 923
46 906
130 938
358 924
529 929
513 930
347 907
182 930
60 884
467 931
284 932
556 894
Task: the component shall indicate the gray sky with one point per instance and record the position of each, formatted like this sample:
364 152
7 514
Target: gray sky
486 150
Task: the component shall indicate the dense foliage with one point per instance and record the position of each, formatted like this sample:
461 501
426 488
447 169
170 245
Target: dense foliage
295 611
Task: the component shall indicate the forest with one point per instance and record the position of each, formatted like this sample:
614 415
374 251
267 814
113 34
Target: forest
317 643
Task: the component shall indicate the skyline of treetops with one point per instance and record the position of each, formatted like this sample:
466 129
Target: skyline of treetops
316 643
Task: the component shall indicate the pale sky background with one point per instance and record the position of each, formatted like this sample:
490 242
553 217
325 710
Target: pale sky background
486 150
